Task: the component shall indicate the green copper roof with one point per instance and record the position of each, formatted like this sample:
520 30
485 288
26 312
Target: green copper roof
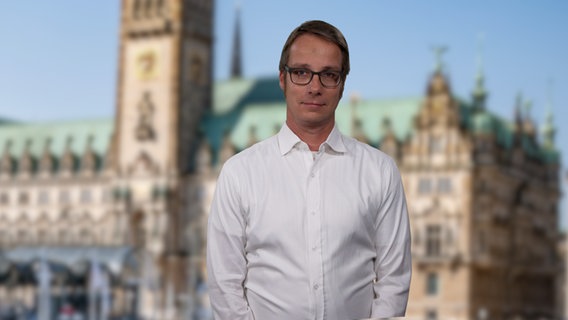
230 94
373 113
58 135
247 109
254 109
4 121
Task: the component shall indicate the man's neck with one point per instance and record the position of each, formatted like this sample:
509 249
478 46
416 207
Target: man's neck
312 136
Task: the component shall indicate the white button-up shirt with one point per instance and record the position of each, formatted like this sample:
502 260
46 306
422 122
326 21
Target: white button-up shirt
296 235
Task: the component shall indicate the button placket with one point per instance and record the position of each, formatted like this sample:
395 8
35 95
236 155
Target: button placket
314 236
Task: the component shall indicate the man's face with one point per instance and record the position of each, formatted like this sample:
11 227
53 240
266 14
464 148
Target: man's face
311 106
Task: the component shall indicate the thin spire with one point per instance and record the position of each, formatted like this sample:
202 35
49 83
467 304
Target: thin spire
236 62
518 111
479 94
438 52
548 129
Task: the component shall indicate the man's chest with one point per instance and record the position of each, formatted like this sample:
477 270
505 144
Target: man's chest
300 204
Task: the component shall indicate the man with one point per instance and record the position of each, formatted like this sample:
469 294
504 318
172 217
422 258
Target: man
309 224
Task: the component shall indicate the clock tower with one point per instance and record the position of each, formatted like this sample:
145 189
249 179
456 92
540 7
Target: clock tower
165 78
164 88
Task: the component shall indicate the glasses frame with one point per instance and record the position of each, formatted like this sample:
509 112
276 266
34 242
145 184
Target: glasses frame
313 73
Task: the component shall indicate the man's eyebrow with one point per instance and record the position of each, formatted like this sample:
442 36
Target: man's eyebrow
307 66
304 65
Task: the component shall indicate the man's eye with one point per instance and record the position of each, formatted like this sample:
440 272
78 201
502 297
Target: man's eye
330 75
301 72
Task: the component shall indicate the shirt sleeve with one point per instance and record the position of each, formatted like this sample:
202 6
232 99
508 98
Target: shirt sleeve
226 261
393 265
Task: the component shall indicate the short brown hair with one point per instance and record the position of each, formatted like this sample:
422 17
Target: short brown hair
323 30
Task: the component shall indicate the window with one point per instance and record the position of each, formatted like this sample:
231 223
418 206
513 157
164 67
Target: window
106 195
23 198
4 198
424 186
23 236
43 197
86 237
86 196
431 315
436 144
64 197
444 185
433 241
432 284
481 243
65 237
42 237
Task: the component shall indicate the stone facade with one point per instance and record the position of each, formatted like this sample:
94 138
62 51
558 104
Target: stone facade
130 203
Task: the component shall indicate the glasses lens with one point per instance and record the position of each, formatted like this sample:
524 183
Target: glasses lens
301 76
329 78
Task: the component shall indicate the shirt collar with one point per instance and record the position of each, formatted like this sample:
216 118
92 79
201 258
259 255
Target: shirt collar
288 139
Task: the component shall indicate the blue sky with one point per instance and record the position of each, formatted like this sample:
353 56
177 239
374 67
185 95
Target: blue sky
58 59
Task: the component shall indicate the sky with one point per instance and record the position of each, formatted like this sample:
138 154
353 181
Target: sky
58 59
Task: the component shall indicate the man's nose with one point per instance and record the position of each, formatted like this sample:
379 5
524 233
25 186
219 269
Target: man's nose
315 85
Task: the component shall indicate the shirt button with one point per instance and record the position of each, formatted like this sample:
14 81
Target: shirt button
313 213
316 286
312 175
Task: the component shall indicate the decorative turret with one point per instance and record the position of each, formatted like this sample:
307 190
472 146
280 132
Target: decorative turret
7 165
519 122
389 143
26 163
529 127
227 149
518 116
89 159
548 129
438 52
479 94
357 131
68 159
46 164
439 107
253 138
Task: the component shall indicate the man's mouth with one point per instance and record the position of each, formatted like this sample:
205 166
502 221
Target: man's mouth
312 104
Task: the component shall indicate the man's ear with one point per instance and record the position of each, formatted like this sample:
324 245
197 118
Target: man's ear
282 78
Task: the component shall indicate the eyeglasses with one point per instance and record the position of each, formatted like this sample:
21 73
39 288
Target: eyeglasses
303 76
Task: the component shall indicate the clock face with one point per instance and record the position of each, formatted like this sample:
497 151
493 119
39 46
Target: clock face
146 65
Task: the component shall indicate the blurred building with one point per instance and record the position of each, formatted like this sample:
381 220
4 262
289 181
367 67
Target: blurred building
106 213
116 209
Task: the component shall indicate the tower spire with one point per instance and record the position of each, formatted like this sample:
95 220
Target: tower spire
236 63
479 94
548 129
438 52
